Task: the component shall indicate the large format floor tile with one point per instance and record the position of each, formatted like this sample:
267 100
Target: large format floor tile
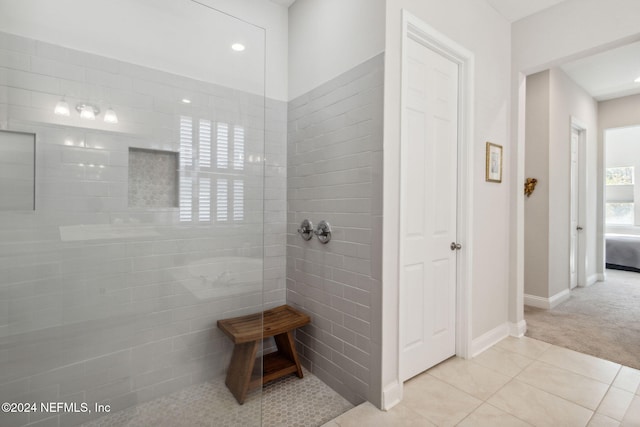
439 402
518 382
539 407
478 381
568 385
370 416
490 416
525 346
583 364
616 403
503 361
628 379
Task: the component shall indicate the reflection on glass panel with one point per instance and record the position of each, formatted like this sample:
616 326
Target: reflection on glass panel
205 144
222 146
204 200
238 200
620 213
222 200
186 195
186 141
238 148
620 176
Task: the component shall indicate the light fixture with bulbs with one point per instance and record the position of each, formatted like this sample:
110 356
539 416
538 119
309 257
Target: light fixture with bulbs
86 110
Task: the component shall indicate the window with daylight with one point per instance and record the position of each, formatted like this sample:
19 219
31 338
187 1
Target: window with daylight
620 189
620 176
212 183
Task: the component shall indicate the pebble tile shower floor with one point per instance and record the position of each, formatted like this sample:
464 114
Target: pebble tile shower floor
287 402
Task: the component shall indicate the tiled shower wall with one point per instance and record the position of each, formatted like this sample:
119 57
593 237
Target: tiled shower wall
335 174
103 302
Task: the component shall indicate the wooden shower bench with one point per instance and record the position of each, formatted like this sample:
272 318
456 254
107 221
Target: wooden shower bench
246 332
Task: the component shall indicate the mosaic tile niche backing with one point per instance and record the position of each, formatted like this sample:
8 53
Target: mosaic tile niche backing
153 178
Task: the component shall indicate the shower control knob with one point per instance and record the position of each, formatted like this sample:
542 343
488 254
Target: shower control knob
323 231
306 229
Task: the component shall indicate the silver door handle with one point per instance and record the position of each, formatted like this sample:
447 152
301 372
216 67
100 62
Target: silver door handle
455 246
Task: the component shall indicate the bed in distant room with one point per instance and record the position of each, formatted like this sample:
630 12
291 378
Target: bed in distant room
623 252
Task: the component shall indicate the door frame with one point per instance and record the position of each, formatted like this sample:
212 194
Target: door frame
581 250
416 29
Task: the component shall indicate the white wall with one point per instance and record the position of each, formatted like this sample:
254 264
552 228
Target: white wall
178 36
572 29
568 100
536 270
329 37
480 29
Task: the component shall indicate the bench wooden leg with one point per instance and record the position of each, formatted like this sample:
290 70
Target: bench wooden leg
286 347
240 369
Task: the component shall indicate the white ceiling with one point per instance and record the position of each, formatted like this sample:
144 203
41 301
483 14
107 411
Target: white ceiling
606 75
514 10
609 74
285 3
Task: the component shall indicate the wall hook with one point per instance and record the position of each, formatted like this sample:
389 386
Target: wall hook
529 186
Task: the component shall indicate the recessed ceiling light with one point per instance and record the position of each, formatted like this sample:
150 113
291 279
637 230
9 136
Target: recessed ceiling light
186 101
238 47
637 80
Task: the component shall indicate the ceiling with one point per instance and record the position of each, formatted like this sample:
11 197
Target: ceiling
285 3
510 9
609 74
514 10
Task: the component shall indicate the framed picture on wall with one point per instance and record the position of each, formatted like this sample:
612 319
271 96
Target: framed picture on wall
494 163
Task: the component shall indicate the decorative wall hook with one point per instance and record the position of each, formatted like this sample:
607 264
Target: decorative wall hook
529 186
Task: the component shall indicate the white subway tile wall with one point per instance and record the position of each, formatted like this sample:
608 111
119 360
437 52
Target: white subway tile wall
101 301
335 174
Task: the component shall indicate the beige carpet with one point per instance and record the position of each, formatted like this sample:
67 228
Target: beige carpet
602 320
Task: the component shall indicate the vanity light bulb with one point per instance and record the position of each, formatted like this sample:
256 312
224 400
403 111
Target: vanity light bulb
87 113
62 108
110 116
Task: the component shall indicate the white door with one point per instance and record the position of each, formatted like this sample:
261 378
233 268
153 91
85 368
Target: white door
428 205
575 208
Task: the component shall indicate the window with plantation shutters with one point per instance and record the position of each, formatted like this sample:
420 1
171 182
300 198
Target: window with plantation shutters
212 183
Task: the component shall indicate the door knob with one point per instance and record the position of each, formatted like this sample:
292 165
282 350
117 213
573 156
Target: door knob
455 246
579 228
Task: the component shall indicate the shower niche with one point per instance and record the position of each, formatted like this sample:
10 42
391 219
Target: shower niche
153 178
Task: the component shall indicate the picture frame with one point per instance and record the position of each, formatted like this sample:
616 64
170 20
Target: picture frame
494 163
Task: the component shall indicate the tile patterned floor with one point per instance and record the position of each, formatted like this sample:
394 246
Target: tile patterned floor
287 402
518 382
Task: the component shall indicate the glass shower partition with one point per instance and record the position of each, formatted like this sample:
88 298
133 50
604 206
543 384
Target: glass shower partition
135 220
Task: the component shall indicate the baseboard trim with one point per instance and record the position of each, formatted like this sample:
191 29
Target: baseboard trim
591 280
546 303
391 395
518 329
488 339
